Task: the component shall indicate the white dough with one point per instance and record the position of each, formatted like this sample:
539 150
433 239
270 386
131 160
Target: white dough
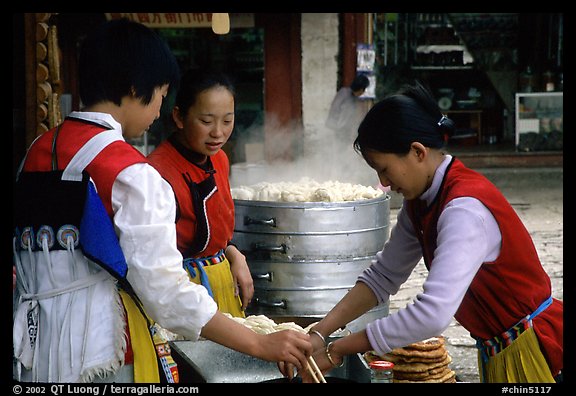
305 190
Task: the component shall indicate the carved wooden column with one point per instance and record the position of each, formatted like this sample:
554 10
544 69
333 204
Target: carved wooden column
42 75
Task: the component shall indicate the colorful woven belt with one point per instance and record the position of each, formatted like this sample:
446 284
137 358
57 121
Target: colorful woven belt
494 345
193 264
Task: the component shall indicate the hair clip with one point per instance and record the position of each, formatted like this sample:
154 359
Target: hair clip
442 120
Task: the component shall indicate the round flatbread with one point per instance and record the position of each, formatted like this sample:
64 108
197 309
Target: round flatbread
437 373
417 367
412 359
428 344
420 353
448 377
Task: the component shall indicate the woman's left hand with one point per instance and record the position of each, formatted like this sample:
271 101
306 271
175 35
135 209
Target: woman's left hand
241 275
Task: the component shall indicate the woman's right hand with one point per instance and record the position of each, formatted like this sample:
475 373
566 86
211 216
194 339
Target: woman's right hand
287 369
318 343
289 348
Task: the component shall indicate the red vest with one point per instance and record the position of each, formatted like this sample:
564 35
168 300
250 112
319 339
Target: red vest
507 289
74 133
103 170
219 209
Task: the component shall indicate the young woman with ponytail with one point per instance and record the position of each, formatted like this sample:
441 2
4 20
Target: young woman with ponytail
483 267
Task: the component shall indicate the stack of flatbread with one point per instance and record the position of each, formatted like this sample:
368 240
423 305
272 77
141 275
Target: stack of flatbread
424 361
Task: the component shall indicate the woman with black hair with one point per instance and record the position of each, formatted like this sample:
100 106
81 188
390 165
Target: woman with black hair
483 267
191 159
94 245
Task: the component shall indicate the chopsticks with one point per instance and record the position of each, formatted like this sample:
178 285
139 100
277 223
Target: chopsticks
315 371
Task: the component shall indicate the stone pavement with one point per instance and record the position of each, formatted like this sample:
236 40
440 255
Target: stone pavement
537 196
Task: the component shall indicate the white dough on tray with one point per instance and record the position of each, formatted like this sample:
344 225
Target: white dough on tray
305 190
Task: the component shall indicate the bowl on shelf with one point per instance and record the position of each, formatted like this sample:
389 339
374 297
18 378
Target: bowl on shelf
467 103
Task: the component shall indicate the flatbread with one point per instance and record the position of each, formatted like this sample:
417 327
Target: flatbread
417 367
421 353
423 361
411 359
448 377
428 344
431 374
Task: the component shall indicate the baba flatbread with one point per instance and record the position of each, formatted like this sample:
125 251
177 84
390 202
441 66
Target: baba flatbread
427 344
411 359
418 367
435 373
448 377
418 353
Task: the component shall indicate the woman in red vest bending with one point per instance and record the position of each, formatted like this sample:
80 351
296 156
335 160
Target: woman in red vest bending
483 267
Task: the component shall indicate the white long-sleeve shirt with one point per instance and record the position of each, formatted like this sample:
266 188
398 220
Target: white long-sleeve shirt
468 235
144 219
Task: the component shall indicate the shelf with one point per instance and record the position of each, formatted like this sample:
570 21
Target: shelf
467 119
463 111
425 49
539 121
442 67
434 25
437 46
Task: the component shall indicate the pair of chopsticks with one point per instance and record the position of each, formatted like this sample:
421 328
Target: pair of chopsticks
315 371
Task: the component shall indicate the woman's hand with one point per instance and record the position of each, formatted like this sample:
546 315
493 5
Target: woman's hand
241 275
287 347
318 347
323 362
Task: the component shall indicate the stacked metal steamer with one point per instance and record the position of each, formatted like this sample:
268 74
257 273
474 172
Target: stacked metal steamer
305 256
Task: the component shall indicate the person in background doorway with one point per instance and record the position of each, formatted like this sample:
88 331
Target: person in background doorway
94 246
483 267
345 111
192 160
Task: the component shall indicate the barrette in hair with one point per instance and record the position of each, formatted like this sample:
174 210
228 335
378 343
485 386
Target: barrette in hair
442 120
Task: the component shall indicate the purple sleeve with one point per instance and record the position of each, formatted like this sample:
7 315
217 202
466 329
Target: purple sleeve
468 235
395 263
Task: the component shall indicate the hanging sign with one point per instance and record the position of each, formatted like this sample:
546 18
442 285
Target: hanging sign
365 57
182 19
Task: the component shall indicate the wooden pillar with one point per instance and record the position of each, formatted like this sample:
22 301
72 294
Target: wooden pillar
282 85
30 76
354 31
42 75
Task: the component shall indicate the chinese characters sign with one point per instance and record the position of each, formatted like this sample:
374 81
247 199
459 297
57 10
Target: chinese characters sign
181 19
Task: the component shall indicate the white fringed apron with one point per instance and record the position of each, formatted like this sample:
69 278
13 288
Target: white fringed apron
68 316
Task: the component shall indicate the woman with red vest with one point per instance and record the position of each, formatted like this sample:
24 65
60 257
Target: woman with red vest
192 160
483 267
94 243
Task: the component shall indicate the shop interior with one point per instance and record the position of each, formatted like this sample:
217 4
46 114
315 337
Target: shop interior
498 75
488 71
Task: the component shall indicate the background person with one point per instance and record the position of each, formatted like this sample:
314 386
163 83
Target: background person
346 111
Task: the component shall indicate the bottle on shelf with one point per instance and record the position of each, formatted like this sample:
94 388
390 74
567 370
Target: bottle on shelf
381 372
526 81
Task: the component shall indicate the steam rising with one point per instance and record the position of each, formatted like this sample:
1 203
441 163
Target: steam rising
318 154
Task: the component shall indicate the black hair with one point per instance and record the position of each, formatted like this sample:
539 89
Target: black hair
194 81
411 115
121 57
360 83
